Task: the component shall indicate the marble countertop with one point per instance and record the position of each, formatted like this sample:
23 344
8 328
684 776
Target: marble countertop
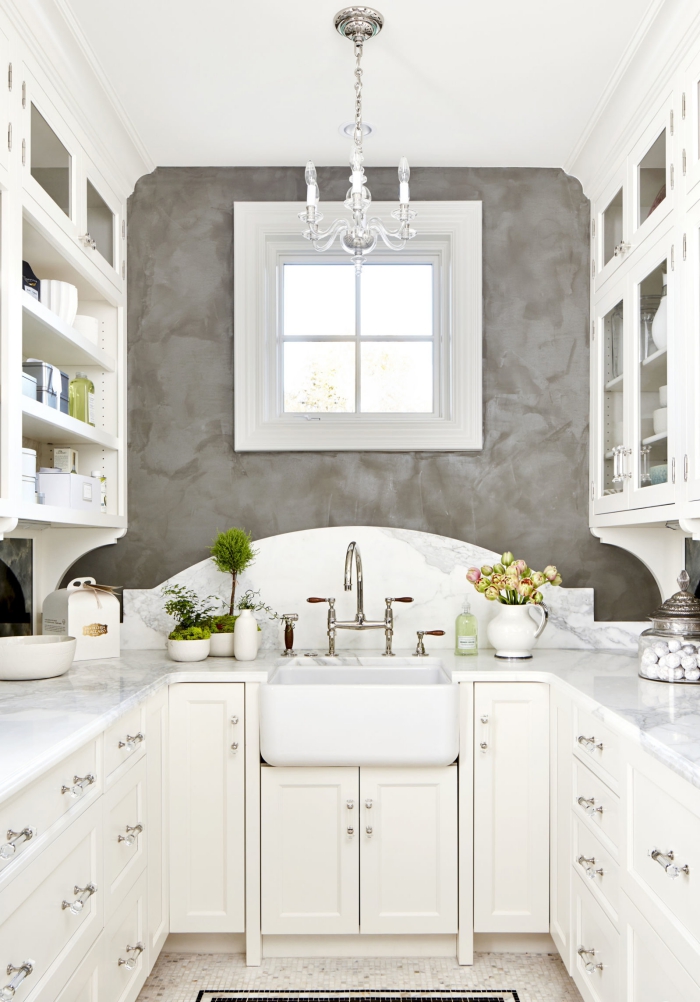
41 722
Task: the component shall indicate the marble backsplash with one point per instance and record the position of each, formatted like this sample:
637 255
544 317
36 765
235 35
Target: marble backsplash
292 566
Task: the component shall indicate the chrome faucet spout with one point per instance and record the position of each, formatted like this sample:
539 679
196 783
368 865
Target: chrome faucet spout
354 551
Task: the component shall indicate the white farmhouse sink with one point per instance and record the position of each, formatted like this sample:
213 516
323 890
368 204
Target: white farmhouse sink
359 711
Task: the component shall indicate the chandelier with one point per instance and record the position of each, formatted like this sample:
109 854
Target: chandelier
359 235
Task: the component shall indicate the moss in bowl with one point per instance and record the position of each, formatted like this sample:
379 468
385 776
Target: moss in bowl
189 643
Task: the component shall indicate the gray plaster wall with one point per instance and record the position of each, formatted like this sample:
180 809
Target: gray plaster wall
526 491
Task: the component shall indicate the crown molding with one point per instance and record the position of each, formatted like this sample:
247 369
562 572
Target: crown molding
65 59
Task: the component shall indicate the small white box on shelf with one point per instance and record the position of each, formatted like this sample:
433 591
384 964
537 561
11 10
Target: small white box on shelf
69 490
87 611
65 459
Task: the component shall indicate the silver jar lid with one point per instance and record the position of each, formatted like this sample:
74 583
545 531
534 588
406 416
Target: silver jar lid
680 613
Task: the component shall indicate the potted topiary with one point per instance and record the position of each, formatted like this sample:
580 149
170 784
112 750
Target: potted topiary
190 640
222 627
232 552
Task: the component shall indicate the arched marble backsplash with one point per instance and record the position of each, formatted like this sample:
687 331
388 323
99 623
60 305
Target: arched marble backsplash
292 566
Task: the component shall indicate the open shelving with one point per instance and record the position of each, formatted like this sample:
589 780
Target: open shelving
45 335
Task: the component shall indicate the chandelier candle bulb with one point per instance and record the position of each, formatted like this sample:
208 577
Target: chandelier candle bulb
404 176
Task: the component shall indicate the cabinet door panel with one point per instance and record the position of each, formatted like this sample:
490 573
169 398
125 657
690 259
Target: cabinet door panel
560 823
408 856
310 857
511 807
157 761
207 823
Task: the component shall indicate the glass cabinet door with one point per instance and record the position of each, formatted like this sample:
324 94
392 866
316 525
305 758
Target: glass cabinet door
612 236
100 223
613 397
50 162
651 179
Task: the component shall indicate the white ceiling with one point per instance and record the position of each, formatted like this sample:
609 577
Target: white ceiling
447 82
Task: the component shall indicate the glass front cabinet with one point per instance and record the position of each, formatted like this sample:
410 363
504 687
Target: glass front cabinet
634 385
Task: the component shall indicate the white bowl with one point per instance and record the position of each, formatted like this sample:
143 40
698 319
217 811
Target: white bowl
35 657
659 419
221 645
188 650
663 395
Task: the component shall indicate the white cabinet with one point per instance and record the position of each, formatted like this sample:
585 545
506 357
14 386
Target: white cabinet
310 859
511 807
207 819
158 856
369 850
560 823
408 850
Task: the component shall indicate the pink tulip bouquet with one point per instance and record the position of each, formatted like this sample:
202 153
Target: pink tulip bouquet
512 582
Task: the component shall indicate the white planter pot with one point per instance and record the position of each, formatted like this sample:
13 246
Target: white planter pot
513 631
188 650
245 637
221 645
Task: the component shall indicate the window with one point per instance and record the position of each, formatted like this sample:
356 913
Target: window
389 359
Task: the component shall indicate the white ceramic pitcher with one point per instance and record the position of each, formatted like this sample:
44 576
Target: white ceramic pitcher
513 632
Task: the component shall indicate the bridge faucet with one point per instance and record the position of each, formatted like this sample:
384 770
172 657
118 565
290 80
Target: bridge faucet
359 622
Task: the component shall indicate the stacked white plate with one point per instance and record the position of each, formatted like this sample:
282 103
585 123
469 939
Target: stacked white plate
61 298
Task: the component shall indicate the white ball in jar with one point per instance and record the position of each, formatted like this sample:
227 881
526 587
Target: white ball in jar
689 662
649 658
661 648
674 646
671 661
692 674
676 674
689 649
650 671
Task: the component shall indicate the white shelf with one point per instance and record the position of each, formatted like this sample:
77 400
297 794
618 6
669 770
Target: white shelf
46 336
616 383
655 438
654 370
49 515
46 424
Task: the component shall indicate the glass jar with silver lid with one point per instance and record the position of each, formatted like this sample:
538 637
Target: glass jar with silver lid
670 650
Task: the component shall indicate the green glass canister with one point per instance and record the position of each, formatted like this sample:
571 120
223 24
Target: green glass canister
670 650
81 398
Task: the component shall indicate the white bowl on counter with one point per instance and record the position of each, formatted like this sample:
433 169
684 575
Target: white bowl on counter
27 658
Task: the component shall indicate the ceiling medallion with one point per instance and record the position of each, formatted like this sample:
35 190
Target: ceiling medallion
358 236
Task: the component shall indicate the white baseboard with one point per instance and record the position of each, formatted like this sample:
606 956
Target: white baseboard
205 942
360 946
513 942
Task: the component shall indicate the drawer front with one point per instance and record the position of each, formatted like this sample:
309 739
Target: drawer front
593 862
124 812
124 957
596 948
653 973
86 985
125 739
665 839
36 925
596 805
598 745
28 819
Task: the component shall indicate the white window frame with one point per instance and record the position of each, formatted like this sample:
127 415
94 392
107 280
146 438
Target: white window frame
267 235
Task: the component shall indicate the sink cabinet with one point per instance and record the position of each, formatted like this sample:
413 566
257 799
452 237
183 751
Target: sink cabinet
511 807
347 850
207 818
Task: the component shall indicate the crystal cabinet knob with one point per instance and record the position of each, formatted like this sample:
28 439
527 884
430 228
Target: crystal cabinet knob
132 833
131 741
130 963
80 784
83 894
15 839
20 973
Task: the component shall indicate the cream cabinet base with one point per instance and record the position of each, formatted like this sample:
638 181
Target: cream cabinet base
360 946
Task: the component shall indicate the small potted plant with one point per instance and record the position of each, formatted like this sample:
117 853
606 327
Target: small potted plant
222 627
516 586
190 640
232 552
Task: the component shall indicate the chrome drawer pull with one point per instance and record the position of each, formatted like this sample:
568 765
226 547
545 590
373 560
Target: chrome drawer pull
20 973
75 907
583 740
131 962
588 966
80 783
588 863
132 833
350 806
131 741
588 804
667 860
14 839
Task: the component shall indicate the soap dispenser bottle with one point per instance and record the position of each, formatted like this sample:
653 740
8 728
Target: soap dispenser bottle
466 632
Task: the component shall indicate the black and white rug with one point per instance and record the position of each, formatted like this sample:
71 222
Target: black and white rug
342 995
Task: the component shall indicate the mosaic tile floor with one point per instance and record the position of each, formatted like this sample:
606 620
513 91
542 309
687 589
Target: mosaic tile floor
536 977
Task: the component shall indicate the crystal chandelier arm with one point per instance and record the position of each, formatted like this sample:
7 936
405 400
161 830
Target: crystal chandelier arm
321 240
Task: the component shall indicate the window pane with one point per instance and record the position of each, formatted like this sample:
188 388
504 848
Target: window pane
319 300
397 378
397 300
50 161
319 376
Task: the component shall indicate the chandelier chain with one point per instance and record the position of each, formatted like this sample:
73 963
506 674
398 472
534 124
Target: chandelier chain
358 96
